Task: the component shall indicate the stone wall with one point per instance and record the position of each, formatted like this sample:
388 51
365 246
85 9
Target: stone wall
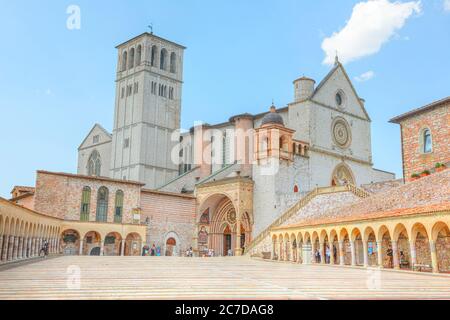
437 120
59 195
168 216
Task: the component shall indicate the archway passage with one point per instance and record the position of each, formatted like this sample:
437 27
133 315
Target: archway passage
220 227
171 243
133 244
70 242
442 240
92 244
113 244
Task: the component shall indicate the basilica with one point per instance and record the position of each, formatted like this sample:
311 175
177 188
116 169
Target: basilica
275 185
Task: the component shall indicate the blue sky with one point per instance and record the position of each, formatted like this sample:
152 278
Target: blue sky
55 83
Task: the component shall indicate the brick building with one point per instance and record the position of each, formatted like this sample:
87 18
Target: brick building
425 138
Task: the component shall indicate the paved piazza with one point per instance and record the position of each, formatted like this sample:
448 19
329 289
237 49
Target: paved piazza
210 278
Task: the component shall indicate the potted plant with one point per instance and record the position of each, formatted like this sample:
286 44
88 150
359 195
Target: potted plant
414 176
440 167
425 173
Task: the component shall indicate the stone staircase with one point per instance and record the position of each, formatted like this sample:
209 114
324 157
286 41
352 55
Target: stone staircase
299 205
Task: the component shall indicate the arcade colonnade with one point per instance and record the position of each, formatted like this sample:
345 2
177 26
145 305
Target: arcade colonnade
419 242
23 233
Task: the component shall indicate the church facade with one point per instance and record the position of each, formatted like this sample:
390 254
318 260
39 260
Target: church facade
321 139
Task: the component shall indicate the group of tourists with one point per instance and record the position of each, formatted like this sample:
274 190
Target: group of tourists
318 255
153 251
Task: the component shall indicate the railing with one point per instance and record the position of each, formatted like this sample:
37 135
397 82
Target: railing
302 203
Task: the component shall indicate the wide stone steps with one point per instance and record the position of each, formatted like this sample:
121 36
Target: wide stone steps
210 278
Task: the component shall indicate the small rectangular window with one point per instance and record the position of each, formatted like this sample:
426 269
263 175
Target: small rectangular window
126 143
122 93
96 139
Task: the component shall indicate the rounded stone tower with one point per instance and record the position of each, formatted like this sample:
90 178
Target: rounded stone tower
304 88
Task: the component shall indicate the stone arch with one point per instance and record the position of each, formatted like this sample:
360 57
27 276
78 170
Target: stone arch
400 235
92 243
384 237
357 238
124 60
293 242
172 249
221 209
334 246
133 244
287 247
275 254
345 247
70 242
420 239
370 236
113 244
440 234
154 56
342 175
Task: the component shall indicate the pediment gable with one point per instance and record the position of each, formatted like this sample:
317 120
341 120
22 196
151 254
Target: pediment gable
98 131
336 81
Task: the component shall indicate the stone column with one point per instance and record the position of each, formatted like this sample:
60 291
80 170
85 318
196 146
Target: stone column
412 249
122 248
299 253
20 252
29 247
341 253
366 255
80 252
330 244
306 253
395 255
102 248
434 260
380 254
1 247
16 248
10 247
323 257
238 250
24 249
352 248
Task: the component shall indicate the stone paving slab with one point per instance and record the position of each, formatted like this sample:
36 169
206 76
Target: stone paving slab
209 278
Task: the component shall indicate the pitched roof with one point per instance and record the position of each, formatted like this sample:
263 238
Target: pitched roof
337 66
426 195
23 188
79 176
416 111
95 126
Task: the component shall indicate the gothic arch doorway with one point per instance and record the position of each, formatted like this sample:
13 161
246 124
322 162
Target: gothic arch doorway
342 175
171 244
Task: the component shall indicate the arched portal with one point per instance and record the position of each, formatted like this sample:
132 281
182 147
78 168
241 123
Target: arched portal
221 228
92 244
113 244
133 244
342 175
171 243
70 242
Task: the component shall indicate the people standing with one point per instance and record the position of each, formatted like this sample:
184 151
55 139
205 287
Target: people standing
153 250
327 255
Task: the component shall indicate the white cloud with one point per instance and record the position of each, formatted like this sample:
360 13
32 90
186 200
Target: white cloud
447 5
371 24
365 76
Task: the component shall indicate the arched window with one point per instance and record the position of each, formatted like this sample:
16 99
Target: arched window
118 212
94 164
173 62
102 205
138 55
124 61
154 56
427 141
131 64
85 204
163 58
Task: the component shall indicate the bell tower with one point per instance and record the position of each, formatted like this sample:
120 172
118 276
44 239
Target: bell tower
147 110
